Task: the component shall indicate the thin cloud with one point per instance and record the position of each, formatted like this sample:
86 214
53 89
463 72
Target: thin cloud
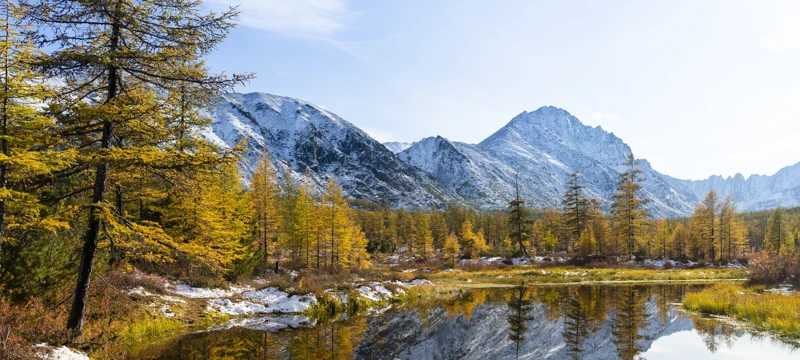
311 19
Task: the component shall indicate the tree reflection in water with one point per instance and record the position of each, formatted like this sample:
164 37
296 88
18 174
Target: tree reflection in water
562 322
519 305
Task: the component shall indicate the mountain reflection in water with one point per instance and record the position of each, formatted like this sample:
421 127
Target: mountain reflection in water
544 322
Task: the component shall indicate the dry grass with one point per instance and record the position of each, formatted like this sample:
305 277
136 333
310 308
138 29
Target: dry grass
773 312
568 274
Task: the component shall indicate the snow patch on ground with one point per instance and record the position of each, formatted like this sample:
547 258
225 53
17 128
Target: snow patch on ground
47 352
279 301
783 290
226 306
374 291
265 301
186 290
415 282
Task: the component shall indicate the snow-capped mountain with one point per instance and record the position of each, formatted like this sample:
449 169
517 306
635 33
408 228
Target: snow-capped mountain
306 139
537 149
542 148
757 192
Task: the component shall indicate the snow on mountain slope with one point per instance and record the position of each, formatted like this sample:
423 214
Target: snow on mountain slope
757 192
397 147
301 137
543 147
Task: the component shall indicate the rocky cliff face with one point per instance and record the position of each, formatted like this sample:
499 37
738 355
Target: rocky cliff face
313 144
542 148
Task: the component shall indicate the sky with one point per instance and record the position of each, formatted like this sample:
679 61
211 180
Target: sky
698 88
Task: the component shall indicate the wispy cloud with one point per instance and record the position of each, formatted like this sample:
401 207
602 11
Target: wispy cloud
312 19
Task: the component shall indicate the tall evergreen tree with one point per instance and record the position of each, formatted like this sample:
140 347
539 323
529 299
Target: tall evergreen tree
628 208
119 61
576 207
519 222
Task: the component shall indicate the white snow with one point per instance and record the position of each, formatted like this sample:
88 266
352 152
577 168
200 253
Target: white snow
783 290
140 291
265 301
226 306
47 352
186 290
374 291
278 301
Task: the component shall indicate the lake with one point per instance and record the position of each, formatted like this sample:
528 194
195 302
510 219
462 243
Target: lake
539 322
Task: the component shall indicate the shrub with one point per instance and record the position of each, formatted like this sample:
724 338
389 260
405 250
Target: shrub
776 270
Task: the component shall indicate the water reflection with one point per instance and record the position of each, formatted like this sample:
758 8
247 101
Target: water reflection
567 322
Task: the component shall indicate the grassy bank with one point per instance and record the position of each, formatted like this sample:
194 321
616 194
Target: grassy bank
766 311
568 275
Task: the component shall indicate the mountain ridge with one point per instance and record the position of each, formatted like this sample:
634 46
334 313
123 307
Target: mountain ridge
541 147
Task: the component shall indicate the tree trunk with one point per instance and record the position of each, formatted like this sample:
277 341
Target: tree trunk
76 314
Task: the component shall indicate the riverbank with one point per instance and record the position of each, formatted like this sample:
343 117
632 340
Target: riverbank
774 310
148 309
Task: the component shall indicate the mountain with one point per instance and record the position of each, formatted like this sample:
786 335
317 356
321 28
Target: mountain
757 192
304 138
397 147
541 148
536 150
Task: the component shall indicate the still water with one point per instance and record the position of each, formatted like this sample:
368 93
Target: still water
564 322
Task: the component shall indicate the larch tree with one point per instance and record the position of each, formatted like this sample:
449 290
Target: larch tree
663 234
27 148
264 189
309 223
711 208
119 61
628 208
335 224
679 241
451 248
209 219
732 233
479 246
779 238
359 258
468 239
423 236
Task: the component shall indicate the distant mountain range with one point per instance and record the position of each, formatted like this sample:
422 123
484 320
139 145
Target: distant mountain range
541 147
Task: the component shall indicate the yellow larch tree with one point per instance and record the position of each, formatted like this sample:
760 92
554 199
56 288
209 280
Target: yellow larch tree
264 190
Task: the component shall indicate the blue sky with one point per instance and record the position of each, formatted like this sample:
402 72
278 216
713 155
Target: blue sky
696 87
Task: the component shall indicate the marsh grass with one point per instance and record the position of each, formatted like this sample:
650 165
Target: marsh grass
773 312
569 274
150 328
